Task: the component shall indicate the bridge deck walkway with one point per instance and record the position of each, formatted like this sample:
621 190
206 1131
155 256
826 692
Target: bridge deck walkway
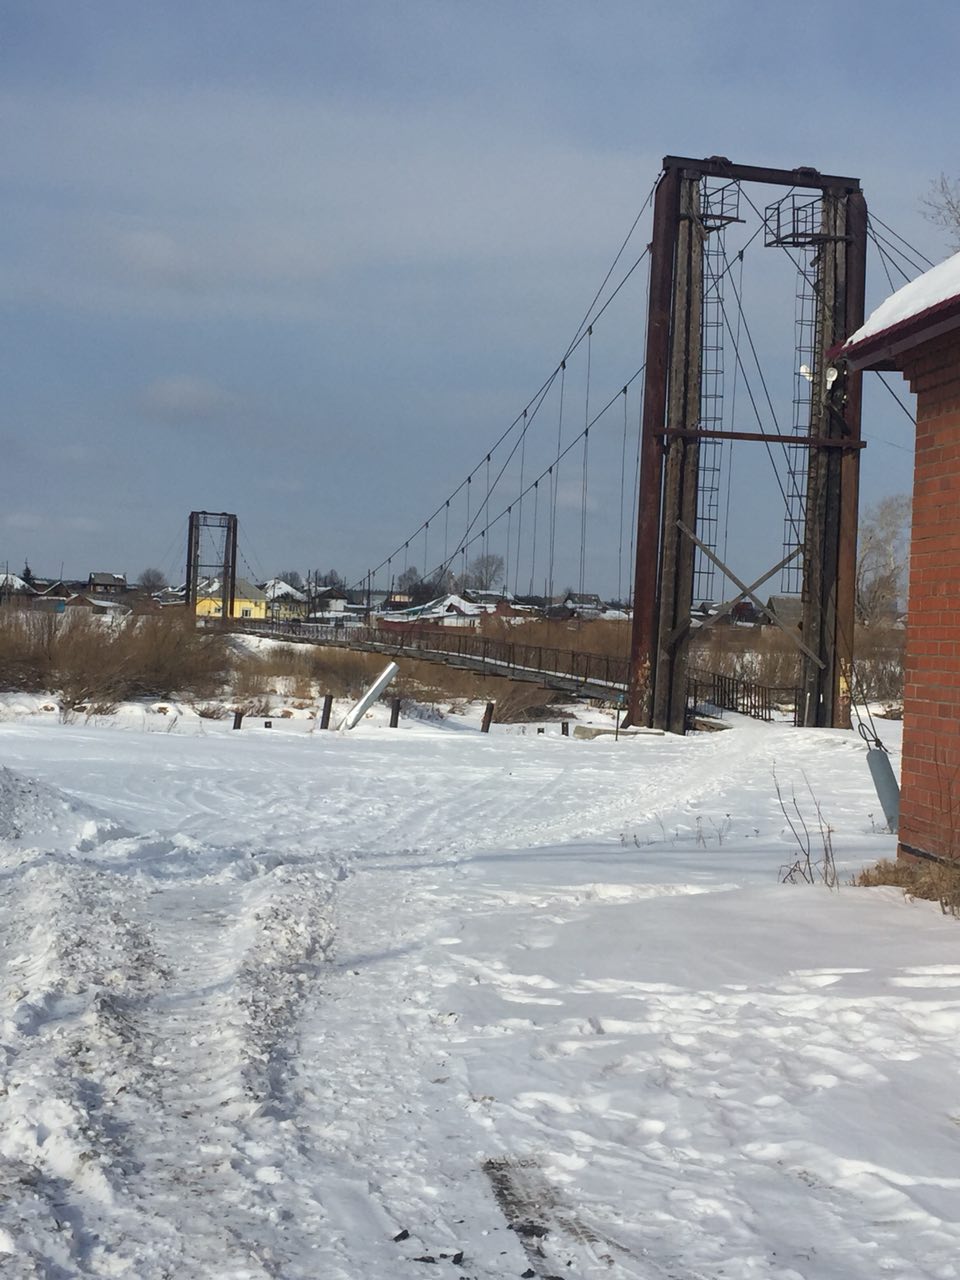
584 675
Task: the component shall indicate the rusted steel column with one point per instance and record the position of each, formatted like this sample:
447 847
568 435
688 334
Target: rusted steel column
849 393
677 551
666 217
830 545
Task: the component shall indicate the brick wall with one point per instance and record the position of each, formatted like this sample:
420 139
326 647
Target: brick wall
930 785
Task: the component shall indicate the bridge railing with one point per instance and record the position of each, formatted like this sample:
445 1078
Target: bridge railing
588 668
583 668
730 693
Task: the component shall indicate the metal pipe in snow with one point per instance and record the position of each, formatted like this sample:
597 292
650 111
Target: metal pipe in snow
888 789
359 709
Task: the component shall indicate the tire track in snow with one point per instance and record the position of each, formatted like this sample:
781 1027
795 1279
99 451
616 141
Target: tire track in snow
143 1100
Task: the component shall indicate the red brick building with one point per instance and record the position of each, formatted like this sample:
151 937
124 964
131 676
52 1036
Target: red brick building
917 332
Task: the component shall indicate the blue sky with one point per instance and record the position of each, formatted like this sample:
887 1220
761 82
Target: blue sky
305 262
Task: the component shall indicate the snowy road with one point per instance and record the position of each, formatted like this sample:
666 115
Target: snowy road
279 1004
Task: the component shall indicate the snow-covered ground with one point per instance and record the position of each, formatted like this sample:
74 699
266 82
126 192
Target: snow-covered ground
282 1003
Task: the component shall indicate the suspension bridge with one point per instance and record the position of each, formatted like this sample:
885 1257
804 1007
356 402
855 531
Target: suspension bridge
627 475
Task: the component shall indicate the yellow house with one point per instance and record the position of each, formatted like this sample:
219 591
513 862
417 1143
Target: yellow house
284 603
249 601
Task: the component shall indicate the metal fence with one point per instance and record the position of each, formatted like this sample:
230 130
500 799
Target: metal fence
730 693
453 645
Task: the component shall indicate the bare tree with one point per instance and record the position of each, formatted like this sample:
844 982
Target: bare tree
941 206
152 580
882 556
484 572
292 578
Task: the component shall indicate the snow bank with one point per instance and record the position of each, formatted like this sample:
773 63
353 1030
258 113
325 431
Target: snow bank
385 1004
32 812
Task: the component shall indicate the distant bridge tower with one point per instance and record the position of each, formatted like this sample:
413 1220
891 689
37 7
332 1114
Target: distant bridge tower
212 556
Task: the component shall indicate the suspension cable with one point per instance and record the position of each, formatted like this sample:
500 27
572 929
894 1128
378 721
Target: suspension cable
506 559
523 459
533 554
591 316
555 481
913 248
883 263
623 480
733 416
753 403
543 474
583 477
910 259
887 256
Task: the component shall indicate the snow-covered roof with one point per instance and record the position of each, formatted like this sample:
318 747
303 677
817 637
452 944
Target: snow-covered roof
442 605
10 582
211 587
931 302
277 589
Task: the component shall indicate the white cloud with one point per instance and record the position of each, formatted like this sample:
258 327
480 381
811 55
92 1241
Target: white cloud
182 398
246 201
26 520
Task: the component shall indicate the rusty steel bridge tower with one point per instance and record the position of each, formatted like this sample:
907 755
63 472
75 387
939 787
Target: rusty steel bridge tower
206 564
826 217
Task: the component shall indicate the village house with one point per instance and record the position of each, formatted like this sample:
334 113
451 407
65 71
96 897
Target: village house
249 601
284 603
330 600
106 584
15 593
916 332
97 606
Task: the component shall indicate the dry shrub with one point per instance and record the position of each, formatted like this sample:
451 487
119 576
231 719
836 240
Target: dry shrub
100 661
253 674
345 672
878 655
249 677
305 669
762 655
607 637
519 702
27 648
210 710
767 656
442 685
167 654
256 707
918 878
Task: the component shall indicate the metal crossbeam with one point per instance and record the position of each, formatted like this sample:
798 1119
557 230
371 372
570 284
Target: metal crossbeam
725 608
749 592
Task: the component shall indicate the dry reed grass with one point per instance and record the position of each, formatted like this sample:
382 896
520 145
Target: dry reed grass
918 878
100 662
607 637
767 656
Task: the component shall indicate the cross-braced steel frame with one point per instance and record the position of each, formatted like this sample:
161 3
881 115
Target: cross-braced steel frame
201 568
672 429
